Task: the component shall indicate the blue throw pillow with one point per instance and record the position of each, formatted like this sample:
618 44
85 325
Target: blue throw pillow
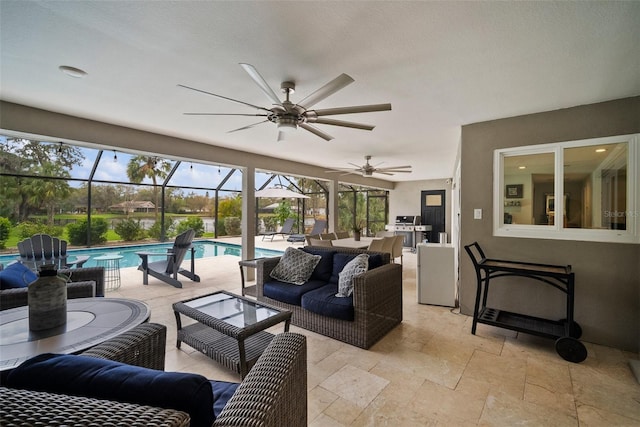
105 379
16 276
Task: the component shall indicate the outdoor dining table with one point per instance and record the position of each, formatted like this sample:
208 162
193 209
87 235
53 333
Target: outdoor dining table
350 242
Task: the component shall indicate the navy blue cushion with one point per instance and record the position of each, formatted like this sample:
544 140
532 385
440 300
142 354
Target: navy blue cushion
324 301
339 261
106 379
222 392
325 266
289 293
16 276
375 261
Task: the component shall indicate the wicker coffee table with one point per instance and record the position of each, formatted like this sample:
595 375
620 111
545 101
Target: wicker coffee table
229 328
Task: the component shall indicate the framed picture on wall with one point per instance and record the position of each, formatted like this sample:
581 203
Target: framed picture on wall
513 191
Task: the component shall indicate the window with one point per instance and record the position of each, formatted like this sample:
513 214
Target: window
575 190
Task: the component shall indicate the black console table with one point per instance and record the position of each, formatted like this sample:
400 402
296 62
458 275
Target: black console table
566 331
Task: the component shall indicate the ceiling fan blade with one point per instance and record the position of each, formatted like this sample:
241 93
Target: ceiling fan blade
342 123
393 170
224 97
330 88
248 126
225 114
255 75
316 131
357 166
352 110
397 167
383 173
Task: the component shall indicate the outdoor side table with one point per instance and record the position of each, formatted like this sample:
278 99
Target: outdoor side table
111 264
250 263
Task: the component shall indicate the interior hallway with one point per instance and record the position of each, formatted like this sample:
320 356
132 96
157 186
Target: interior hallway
428 371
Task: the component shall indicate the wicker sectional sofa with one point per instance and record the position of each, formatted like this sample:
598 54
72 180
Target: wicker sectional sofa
376 299
274 393
83 283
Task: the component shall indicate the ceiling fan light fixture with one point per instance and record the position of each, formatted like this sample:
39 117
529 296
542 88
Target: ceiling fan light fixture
287 124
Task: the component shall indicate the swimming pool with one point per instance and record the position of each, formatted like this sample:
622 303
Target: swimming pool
204 249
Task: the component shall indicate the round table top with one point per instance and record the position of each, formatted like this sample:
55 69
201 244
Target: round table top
108 257
90 321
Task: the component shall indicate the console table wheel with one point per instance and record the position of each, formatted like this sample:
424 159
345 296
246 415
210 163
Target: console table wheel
575 331
571 350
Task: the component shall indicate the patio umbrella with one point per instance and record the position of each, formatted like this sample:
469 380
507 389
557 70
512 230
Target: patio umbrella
280 193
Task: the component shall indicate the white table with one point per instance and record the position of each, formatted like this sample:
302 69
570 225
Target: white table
352 243
111 264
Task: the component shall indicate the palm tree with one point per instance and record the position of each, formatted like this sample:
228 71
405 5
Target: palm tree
141 167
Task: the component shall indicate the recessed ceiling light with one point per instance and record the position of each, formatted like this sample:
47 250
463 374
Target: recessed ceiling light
72 71
600 150
522 167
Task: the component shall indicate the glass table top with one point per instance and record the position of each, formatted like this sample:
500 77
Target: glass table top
232 309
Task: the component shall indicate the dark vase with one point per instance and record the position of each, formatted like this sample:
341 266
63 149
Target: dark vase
356 235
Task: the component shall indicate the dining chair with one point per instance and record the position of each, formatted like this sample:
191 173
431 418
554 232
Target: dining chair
318 242
376 245
328 236
342 234
387 244
396 250
309 237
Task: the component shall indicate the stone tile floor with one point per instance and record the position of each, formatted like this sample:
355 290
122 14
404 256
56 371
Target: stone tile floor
429 371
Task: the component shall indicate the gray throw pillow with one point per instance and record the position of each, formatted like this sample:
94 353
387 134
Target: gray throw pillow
295 266
356 266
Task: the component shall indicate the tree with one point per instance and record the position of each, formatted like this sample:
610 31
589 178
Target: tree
41 160
141 167
47 193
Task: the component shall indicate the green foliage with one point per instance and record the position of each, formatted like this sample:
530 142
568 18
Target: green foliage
78 231
221 230
27 229
129 229
155 230
232 226
230 206
270 222
5 230
194 222
283 211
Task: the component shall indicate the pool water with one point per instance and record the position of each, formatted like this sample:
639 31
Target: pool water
204 249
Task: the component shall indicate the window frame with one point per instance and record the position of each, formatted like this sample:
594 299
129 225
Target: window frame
557 231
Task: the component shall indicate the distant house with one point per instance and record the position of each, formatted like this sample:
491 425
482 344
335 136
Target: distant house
133 206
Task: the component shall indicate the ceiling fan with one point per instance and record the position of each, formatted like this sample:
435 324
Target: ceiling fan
368 169
289 116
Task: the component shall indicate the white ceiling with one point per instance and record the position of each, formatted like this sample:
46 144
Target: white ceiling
440 64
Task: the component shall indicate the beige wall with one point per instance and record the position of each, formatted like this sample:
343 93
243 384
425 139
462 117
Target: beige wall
607 297
405 199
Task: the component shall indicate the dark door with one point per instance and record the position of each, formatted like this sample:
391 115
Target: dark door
433 213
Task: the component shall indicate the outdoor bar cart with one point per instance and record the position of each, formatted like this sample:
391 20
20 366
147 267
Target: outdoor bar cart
565 331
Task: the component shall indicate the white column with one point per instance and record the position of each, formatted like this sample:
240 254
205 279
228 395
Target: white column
333 206
249 218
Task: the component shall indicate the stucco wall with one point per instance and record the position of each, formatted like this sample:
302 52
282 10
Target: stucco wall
405 199
607 300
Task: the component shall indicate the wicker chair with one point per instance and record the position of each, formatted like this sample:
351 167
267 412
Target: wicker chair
84 283
273 394
377 302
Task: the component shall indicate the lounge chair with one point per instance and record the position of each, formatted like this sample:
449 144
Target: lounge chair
167 270
318 228
42 249
286 229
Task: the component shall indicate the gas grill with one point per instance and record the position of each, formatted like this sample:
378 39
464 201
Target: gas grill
409 226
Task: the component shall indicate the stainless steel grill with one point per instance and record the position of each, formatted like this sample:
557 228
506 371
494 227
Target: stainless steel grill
409 226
